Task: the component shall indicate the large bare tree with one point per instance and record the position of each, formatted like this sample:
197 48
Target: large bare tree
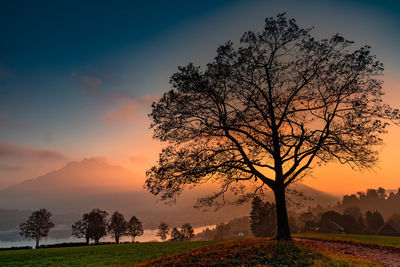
264 113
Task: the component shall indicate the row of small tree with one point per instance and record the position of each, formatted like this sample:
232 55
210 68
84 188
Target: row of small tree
185 233
94 225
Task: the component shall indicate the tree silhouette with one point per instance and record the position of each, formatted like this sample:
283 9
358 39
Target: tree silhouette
223 231
134 228
264 113
81 228
374 221
117 226
176 235
262 219
97 228
307 221
163 231
37 225
187 232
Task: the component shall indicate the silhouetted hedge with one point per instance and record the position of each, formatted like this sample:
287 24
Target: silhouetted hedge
16 248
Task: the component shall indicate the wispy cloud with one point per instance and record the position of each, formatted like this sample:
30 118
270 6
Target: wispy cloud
12 150
8 168
20 162
137 159
126 112
89 84
128 108
120 106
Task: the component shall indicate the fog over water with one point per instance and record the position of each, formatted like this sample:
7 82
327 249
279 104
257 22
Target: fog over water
148 235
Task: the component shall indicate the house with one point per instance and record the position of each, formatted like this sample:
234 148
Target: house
331 227
389 228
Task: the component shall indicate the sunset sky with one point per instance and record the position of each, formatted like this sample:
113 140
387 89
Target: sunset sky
77 78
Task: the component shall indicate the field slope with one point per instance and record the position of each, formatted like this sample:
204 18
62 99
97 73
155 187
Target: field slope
258 252
102 255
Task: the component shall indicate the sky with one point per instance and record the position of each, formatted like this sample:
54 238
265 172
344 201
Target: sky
77 78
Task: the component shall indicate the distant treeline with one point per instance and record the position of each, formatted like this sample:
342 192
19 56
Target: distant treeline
387 203
375 211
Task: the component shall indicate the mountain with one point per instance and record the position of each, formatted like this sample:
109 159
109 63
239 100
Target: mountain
81 186
93 174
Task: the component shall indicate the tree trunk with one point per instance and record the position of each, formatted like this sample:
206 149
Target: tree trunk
87 240
281 214
37 243
117 239
96 241
133 239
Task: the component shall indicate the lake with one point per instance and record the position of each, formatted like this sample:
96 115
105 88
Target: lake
148 235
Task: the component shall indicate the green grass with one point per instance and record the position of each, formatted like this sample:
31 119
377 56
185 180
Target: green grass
230 253
103 255
375 240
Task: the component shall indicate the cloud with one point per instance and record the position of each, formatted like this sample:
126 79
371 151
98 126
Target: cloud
126 112
130 108
7 168
12 150
121 106
89 84
138 159
21 162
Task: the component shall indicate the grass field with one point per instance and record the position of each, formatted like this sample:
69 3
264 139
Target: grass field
376 240
231 253
103 255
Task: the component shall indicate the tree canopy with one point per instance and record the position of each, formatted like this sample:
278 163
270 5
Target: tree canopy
117 226
81 228
97 228
163 231
262 218
37 225
265 112
134 228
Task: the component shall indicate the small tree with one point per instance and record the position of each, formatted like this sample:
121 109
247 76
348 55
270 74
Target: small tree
223 231
374 221
307 221
163 231
117 226
262 217
176 235
37 225
187 232
97 220
134 228
81 228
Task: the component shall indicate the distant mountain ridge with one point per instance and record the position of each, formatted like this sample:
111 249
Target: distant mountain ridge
92 183
91 174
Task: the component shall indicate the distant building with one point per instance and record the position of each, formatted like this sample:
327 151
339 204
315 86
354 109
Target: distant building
389 228
241 233
331 227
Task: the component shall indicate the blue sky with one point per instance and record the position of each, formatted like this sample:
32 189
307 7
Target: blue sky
78 77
